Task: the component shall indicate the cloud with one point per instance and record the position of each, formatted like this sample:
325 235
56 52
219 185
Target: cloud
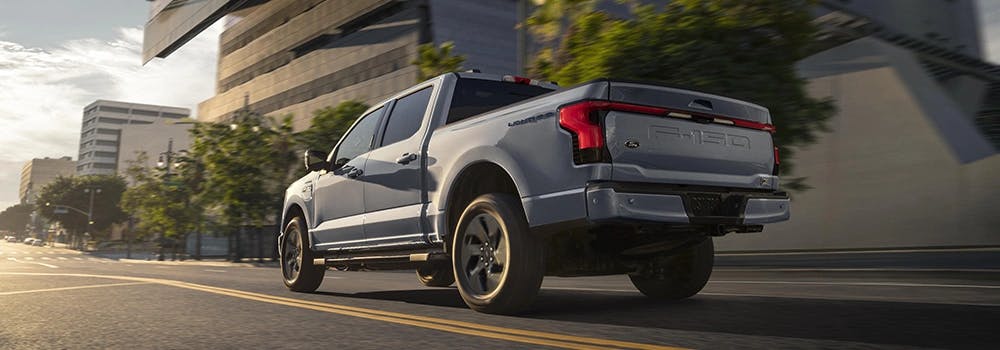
43 92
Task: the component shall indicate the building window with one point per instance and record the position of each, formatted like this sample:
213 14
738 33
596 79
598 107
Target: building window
107 131
105 154
106 143
145 113
104 166
174 115
113 120
114 109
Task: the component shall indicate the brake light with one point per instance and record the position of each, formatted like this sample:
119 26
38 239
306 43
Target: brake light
579 120
526 81
777 162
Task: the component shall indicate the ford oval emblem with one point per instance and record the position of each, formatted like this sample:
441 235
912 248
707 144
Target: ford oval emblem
632 144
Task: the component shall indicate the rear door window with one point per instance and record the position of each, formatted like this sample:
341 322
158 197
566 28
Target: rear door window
406 116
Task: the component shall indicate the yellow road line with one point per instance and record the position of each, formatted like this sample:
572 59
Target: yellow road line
72 288
446 325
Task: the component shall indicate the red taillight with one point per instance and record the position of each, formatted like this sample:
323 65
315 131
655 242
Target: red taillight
579 119
777 162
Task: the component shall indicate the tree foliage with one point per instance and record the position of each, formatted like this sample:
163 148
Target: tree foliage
745 49
16 217
164 204
433 61
247 165
74 192
329 124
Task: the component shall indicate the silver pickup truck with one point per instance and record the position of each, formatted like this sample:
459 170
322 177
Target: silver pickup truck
496 181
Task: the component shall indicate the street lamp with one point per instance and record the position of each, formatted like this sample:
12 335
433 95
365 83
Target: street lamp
62 209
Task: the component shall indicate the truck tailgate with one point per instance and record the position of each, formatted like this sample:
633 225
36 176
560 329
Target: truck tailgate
688 146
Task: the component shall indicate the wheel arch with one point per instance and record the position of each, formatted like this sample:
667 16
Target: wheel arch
474 180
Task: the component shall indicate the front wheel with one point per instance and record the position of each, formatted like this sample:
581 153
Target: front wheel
300 275
678 275
498 262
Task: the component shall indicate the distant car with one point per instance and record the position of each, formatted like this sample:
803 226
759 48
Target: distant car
12 239
38 243
29 240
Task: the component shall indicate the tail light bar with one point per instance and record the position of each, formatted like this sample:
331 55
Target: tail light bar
777 162
582 120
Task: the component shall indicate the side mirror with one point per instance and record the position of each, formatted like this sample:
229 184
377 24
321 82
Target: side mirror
315 160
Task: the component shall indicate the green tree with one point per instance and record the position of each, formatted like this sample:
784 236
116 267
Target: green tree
75 192
16 217
162 203
329 124
434 61
741 48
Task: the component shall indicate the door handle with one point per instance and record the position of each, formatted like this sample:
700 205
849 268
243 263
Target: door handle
406 158
354 173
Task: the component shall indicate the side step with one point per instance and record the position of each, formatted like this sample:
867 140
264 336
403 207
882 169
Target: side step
380 259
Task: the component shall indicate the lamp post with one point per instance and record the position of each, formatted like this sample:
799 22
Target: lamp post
89 213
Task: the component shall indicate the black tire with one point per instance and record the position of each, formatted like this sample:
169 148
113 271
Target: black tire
498 262
678 275
297 269
436 274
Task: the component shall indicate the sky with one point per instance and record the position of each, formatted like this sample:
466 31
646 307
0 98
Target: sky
57 56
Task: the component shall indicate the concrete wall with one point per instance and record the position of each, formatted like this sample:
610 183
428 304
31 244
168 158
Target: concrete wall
894 171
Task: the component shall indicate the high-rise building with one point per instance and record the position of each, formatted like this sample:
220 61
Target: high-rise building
100 135
297 56
39 172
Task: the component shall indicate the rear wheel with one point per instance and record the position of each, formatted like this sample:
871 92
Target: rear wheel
678 275
498 263
297 267
436 274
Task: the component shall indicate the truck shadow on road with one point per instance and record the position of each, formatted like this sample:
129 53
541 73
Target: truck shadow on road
900 323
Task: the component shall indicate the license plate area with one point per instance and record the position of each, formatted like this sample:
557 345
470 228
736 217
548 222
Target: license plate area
714 204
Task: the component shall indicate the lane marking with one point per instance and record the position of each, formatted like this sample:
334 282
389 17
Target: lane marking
62 258
77 258
28 258
210 270
869 284
446 325
46 258
73 288
32 262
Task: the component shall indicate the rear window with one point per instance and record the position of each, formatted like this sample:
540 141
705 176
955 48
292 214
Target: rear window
476 96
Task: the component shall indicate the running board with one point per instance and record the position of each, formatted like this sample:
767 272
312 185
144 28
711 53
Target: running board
414 257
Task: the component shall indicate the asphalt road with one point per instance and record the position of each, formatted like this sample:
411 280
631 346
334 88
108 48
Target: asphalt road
53 298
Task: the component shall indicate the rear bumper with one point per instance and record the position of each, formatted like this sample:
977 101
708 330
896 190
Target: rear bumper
675 204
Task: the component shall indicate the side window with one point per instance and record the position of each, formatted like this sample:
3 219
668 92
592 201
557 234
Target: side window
406 116
359 139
